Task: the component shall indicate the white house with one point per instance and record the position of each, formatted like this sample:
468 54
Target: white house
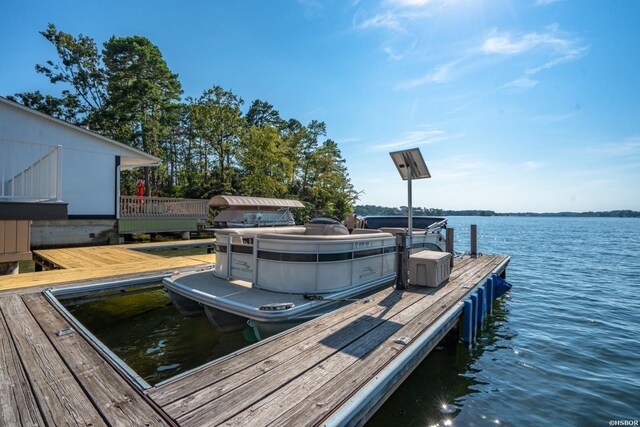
89 164
67 180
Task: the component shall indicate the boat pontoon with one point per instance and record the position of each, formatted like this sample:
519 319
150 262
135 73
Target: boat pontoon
278 277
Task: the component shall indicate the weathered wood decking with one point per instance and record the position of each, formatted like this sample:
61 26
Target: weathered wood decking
46 379
301 377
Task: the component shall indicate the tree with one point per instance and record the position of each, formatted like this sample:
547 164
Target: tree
80 69
261 113
217 120
64 108
265 163
329 187
142 98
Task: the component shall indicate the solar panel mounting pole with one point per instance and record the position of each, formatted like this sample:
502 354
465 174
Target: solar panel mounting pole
410 165
410 213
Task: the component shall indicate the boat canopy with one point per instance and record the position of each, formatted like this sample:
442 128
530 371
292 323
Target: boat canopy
253 202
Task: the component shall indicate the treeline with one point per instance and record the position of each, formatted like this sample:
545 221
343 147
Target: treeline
208 144
364 210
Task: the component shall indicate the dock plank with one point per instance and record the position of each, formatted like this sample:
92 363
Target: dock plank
118 402
59 396
294 392
246 390
87 274
337 390
17 403
252 356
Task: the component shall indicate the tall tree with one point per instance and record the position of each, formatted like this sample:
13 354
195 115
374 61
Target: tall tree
142 95
329 187
261 113
218 121
265 163
80 70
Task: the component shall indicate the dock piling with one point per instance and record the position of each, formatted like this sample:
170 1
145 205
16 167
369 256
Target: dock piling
449 242
474 240
402 261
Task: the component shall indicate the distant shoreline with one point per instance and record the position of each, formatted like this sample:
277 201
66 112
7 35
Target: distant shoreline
364 210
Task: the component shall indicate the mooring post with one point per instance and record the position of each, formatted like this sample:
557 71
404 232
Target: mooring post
449 242
474 240
402 261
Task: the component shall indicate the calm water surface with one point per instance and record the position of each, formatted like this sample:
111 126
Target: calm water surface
561 349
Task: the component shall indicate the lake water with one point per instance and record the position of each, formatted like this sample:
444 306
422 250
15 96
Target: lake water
562 348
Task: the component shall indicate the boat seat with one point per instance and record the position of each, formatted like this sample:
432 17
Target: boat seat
325 230
320 237
258 231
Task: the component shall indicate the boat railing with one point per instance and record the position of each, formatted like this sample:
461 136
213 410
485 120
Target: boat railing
314 263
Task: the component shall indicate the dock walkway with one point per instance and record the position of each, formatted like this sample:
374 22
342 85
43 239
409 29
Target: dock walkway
330 370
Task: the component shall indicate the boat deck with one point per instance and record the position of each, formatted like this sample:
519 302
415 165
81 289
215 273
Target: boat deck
307 376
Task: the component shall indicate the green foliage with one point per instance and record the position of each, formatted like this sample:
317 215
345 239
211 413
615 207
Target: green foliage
265 163
207 144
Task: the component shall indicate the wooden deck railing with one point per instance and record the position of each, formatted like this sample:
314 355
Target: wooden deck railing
162 207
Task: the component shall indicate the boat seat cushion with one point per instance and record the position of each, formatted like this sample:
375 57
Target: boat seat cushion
325 230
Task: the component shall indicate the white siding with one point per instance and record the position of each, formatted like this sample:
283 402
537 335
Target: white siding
88 177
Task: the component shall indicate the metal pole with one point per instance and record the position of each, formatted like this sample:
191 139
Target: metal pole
410 214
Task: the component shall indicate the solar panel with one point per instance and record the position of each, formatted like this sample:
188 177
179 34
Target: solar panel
412 159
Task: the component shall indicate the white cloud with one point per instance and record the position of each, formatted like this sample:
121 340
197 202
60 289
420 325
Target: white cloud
440 74
506 43
522 83
386 20
628 147
416 138
569 55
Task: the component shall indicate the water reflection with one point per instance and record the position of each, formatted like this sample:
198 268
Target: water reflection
435 393
152 337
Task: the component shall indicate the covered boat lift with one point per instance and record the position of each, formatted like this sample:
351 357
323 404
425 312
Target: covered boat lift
243 211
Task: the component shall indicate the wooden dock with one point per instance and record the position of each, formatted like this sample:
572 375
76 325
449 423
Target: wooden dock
333 370
71 266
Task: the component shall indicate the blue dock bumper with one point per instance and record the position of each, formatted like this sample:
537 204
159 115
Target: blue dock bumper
479 305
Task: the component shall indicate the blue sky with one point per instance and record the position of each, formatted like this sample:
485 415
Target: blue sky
529 105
